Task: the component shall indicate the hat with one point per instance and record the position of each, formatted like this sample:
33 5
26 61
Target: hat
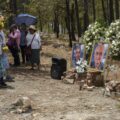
32 27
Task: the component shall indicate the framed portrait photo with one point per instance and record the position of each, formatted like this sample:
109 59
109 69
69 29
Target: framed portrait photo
99 56
78 52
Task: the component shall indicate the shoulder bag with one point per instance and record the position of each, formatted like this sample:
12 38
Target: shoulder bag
28 48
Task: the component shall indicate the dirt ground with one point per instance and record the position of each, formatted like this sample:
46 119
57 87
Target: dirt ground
53 99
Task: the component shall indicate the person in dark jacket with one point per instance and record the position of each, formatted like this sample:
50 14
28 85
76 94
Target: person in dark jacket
23 32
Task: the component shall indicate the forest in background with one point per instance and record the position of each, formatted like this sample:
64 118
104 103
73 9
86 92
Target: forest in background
63 16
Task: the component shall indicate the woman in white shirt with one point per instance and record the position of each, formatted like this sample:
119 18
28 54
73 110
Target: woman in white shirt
33 39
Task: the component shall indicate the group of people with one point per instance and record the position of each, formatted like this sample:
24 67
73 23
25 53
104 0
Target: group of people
27 42
20 40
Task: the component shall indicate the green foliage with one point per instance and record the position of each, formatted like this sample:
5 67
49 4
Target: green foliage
113 35
110 34
93 34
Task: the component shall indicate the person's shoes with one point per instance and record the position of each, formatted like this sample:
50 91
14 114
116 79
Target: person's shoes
9 78
3 85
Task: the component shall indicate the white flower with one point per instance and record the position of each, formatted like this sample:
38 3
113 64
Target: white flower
113 42
81 66
89 43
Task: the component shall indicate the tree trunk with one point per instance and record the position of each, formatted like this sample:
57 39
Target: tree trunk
10 5
40 21
86 17
111 11
108 16
13 11
56 24
13 6
94 10
77 18
72 24
117 8
41 27
68 21
103 9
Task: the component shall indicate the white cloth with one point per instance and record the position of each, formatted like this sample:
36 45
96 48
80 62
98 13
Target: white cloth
36 43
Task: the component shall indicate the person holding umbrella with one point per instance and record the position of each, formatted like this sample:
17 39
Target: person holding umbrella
23 32
34 42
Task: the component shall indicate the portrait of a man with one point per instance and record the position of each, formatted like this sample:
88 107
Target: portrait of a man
78 53
99 56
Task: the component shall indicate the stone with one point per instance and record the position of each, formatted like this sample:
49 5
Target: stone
22 105
36 114
68 81
90 88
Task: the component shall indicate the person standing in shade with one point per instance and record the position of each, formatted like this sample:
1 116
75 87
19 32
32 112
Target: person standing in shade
14 38
23 32
34 41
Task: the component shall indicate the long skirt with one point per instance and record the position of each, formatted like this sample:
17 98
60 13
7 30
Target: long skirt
35 56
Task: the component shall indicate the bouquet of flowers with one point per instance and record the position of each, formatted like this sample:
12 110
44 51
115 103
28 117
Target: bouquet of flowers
113 35
94 32
81 66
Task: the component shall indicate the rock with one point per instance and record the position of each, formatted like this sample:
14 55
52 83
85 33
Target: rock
82 82
85 86
112 87
68 81
118 99
62 117
36 114
22 105
19 111
90 88
92 118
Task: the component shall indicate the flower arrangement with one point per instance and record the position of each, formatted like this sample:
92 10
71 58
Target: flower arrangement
113 35
93 34
96 31
81 66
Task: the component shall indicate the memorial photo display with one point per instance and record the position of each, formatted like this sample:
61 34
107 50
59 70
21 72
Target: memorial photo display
99 56
78 52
